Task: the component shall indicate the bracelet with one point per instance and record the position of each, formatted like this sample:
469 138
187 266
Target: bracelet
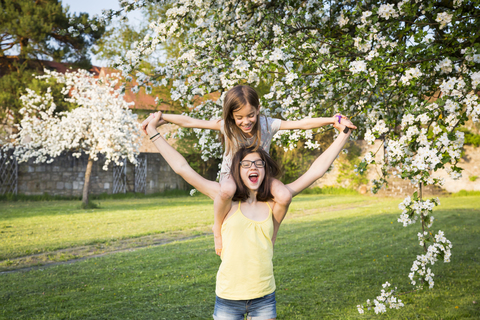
346 129
156 139
154 135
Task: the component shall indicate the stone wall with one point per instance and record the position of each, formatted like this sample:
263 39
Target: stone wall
65 176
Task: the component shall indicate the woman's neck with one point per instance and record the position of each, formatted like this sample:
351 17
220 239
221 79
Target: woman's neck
252 198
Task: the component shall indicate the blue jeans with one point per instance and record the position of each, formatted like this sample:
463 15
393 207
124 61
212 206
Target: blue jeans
256 309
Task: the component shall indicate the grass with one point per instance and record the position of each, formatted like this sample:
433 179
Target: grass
28 228
333 253
32 227
103 196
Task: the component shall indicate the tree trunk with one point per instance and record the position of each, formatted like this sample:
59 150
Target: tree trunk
86 184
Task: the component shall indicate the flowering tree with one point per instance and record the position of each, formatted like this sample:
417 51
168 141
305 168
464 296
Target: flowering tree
35 31
102 123
405 71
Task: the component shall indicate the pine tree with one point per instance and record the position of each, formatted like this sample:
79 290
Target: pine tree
32 33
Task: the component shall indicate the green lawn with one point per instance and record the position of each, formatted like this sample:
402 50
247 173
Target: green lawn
333 253
33 227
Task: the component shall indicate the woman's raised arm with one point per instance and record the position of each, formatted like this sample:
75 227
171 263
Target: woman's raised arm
316 171
178 162
321 164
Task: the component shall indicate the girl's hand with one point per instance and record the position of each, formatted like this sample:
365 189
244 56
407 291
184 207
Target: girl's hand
145 123
154 121
335 117
340 122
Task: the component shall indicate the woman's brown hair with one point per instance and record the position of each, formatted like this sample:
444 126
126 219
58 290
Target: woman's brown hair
272 170
235 99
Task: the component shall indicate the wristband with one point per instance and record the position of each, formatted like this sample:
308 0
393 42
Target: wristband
154 135
346 129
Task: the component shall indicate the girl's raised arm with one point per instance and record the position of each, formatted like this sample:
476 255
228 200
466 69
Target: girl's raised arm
312 123
321 164
188 122
178 162
185 122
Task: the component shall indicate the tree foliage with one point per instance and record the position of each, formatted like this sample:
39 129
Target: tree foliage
347 163
407 72
100 123
32 32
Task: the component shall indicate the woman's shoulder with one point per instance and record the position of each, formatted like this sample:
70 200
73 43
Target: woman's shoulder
233 209
270 204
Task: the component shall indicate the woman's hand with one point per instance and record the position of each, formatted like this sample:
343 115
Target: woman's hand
146 122
154 122
340 122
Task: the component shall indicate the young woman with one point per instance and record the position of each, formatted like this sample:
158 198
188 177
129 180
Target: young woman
242 125
245 282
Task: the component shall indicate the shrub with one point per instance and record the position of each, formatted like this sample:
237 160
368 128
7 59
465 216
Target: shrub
330 190
465 193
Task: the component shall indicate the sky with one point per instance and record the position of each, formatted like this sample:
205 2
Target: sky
93 7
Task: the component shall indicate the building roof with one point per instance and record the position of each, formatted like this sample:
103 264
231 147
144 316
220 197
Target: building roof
142 100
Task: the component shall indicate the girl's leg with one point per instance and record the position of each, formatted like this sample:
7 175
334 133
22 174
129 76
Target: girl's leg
282 197
221 206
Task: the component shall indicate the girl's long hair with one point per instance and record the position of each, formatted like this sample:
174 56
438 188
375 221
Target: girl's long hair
235 99
272 170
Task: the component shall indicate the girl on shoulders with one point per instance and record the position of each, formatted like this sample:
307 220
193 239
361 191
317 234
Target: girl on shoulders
245 281
243 126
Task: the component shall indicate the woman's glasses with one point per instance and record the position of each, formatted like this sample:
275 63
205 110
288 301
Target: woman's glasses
247 163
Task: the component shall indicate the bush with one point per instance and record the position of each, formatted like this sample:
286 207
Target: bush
465 193
330 190
347 164
296 162
470 138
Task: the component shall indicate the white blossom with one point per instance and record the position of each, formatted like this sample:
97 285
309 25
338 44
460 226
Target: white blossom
444 18
386 11
102 122
358 66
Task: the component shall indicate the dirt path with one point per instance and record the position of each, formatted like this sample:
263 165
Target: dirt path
77 254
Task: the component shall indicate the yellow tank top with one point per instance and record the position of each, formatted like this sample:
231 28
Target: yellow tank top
246 271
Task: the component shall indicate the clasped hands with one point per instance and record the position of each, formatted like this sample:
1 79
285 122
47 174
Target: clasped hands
341 121
154 119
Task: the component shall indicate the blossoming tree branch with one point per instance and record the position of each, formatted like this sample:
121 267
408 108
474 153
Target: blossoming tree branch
406 71
100 123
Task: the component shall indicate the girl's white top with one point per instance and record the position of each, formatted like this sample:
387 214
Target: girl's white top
268 128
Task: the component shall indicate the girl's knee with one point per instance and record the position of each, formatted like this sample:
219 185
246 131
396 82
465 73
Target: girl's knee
227 189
